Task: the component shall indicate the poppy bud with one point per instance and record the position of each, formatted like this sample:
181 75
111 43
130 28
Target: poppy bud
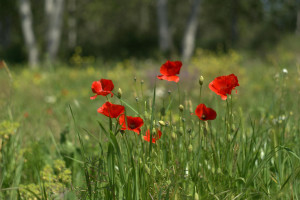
181 130
174 136
146 115
153 132
119 94
189 130
196 196
201 79
134 79
181 107
183 120
142 82
137 99
190 148
162 123
169 92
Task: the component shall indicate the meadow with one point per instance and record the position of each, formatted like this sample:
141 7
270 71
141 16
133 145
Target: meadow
55 145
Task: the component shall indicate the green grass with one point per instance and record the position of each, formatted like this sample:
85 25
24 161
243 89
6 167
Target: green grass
254 156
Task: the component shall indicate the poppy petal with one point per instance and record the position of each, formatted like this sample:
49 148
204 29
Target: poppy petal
107 85
122 122
168 78
96 87
154 138
93 97
205 113
171 68
223 85
111 110
102 87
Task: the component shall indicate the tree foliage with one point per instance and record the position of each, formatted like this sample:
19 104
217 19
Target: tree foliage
117 29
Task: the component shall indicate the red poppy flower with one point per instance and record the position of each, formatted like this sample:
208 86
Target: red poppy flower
223 85
169 71
111 110
102 87
133 123
205 113
154 137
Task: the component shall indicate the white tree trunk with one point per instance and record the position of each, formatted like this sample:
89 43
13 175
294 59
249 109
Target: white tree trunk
27 28
188 43
54 11
72 33
163 28
298 22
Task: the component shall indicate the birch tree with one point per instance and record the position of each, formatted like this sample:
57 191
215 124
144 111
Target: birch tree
28 33
72 23
298 18
163 27
188 42
54 11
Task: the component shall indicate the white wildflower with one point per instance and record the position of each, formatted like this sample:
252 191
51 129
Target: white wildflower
284 70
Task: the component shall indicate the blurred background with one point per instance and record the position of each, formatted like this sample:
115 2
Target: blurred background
36 31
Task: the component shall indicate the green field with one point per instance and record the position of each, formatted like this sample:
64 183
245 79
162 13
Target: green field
55 145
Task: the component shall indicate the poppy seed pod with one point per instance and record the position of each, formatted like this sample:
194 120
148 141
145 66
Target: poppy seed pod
201 79
181 130
181 107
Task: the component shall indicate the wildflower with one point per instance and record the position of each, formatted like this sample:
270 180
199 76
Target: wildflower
133 123
26 115
111 110
102 87
155 137
223 85
285 71
169 70
50 99
205 113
